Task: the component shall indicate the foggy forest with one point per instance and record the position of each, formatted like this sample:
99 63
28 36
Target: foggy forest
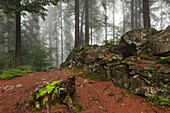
47 34
88 56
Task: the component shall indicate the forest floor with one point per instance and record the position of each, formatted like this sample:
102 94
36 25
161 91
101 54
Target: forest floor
93 96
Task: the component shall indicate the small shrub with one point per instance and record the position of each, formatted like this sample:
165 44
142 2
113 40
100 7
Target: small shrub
15 72
6 76
25 68
12 73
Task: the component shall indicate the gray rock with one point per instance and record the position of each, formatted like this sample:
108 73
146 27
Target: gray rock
19 85
7 88
135 64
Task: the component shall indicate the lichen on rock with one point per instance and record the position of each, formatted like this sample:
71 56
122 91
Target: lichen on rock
138 63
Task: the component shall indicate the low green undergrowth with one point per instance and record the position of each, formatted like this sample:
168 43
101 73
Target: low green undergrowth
11 73
25 68
158 101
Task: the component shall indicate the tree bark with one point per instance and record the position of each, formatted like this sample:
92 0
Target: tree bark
146 17
61 35
81 42
57 51
123 18
132 14
114 22
18 37
161 16
76 24
86 22
105 19
91 29
140 14
136 14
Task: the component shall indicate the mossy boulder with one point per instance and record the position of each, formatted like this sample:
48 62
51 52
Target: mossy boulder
139 63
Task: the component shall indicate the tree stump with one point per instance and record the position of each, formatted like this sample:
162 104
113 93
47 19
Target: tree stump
61 92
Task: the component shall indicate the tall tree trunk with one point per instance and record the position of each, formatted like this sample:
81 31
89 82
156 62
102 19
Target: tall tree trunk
61 34
18 37
57 51
86 22
6 48
161 16
81 42
146 16
76 24
136 14
140 14
132 14
123 17
50 50
114 21
91 19
105 19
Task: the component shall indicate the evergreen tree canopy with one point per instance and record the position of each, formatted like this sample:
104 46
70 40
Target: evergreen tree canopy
10 7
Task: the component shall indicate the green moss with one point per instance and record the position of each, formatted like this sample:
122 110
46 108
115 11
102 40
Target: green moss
79 63
112 58
80 53
85 75
49 88
75 69
123 62
158 101
91 66
110 42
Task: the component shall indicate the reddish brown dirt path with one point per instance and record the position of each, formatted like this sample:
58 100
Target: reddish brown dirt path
92 95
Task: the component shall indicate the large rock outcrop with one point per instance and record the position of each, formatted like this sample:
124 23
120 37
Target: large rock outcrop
139 63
